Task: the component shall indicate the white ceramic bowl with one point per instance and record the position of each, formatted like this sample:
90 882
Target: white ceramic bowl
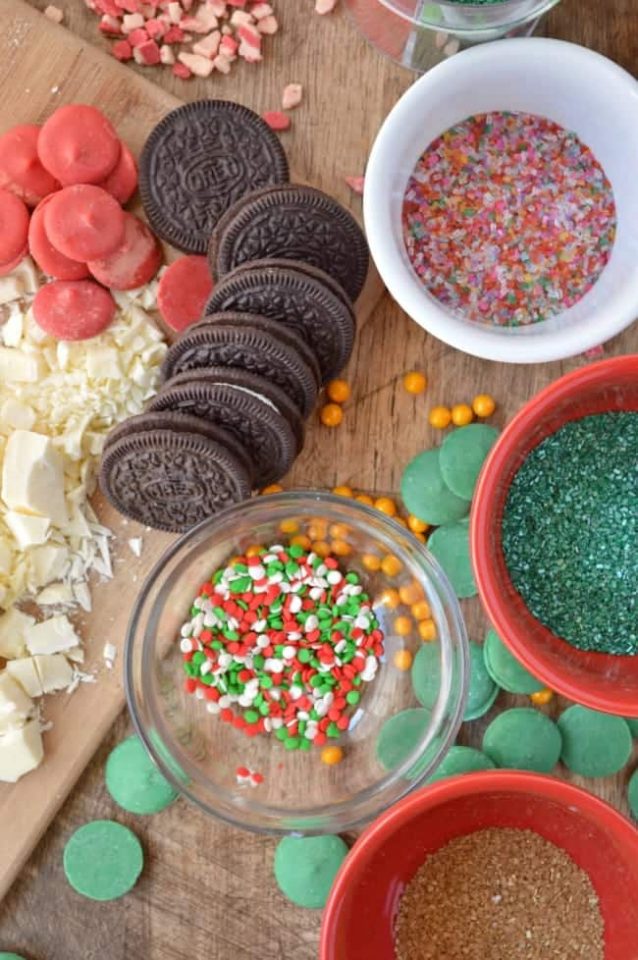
566 83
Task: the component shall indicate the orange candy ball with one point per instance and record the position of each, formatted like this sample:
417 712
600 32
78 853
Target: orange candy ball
331 415
415 382
338 391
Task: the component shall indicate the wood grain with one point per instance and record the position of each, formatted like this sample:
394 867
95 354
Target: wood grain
208 890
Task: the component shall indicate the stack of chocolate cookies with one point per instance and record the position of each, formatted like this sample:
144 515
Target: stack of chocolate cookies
287 262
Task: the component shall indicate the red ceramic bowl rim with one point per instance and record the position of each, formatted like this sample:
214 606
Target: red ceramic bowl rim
481 526
465 785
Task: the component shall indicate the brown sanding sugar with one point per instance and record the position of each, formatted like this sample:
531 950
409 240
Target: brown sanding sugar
500 894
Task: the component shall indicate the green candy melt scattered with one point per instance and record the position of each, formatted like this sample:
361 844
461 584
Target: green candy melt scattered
523 739
461 760
425 493
450 545
103 860
570 530
504 668
134 781
400 736
594 744
483 690
462 455
305 868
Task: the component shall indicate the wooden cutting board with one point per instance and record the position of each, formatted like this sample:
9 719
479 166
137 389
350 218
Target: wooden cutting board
42 66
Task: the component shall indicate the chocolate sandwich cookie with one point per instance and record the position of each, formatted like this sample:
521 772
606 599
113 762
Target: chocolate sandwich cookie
309 303
254 344
251 382
198 161
251 418
292 222
172 470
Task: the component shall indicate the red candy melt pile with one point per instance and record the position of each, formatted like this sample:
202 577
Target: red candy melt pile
194 37
76 173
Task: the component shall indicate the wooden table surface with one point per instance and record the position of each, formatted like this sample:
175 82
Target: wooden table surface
207 891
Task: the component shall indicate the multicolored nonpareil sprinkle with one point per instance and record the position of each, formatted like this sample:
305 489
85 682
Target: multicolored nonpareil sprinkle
508 219
281 642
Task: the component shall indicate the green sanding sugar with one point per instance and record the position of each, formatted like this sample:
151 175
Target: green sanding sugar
570 533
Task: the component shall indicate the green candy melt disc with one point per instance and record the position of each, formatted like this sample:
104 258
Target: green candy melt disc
483 690
462 455
594 744
461 760
103 860
504 668
523 739
426 494
10 956
450 545
400 736
134 781
305 868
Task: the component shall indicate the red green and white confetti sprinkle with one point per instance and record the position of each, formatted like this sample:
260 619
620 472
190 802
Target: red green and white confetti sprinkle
508 219
282 643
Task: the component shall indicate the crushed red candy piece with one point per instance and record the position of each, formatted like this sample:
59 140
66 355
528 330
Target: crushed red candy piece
122 50
181 70
291 97
356 184
276 120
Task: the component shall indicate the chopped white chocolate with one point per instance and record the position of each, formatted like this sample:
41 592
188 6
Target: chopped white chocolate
15 704
33 476
51 636
109 653
135 546
25 673
56 594
54 671
21 751
13 624
29 531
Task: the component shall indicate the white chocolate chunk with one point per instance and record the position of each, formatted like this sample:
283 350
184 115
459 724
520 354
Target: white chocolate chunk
15 415
19 367
15 704
47 563
54 670
13 624
51 636
28 531
33 476
21 751
54 594
25 673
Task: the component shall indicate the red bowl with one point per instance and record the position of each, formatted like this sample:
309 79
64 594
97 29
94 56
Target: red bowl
359 918
596 680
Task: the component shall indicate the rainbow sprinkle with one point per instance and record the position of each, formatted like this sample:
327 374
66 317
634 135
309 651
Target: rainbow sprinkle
508 219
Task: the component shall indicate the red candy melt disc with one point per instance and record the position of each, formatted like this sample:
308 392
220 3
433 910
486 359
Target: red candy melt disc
9 267
50 260
136 261
121 183
84 222
14 226
21 171
78 144
183 291
73 309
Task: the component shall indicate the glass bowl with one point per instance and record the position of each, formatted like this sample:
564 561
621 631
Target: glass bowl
415 33
200 755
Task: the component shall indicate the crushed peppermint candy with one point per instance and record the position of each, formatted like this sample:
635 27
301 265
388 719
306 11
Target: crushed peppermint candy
281 642
193 37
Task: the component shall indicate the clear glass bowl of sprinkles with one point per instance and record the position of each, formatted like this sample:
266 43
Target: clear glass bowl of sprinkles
255 742
419 33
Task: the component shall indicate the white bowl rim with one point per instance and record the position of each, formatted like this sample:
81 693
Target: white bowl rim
481 340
